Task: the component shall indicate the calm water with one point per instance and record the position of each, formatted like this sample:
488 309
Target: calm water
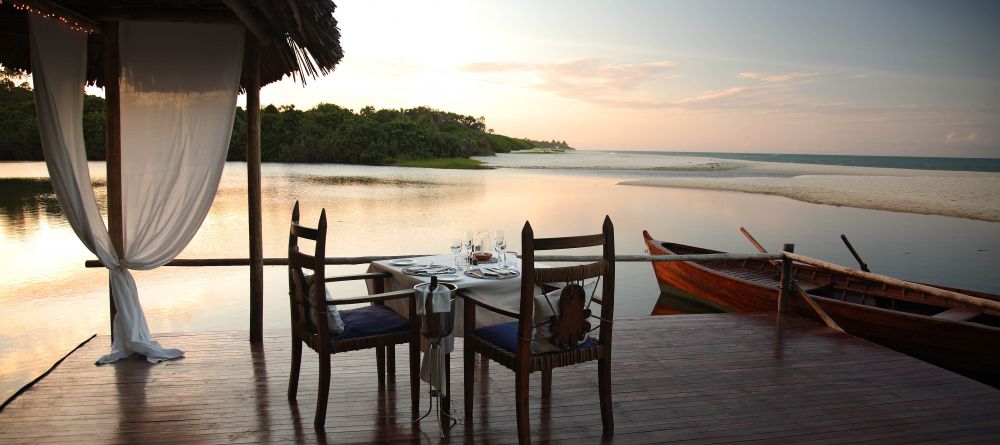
50 302
907 162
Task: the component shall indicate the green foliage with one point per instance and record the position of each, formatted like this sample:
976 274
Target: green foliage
451 163
19 139
504 144
325 134
548 144
93 127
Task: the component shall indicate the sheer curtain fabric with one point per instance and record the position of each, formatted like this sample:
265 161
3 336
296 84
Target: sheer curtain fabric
178 90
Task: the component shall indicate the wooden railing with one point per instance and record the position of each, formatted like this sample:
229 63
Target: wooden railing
217 262
786 258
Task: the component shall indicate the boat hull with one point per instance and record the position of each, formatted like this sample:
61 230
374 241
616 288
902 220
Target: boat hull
968 348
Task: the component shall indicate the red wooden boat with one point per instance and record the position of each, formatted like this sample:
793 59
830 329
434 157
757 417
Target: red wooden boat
962 338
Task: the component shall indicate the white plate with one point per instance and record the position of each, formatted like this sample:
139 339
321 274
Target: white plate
402 262
449 278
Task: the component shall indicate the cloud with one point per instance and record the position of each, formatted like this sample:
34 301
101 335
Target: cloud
776 77
645 86
859 76
593 80
956 138
494 67
709 96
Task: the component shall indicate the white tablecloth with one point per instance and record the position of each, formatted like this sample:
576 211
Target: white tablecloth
504 293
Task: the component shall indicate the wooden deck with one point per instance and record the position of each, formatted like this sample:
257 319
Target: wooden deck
719 378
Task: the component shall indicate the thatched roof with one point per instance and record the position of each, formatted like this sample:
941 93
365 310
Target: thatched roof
298 37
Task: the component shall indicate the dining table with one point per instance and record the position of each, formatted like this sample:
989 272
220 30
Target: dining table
486 282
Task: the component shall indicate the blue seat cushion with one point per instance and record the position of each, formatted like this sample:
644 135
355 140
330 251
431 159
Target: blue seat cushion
504 335
372 320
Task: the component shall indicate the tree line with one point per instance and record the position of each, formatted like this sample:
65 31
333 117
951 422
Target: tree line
326 133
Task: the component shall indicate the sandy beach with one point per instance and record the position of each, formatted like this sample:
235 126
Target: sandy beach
972 195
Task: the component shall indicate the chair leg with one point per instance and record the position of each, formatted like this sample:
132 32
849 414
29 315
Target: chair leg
293 376
470 379
415 377
604 387
546 383
380 365
521 405
323 392
390 361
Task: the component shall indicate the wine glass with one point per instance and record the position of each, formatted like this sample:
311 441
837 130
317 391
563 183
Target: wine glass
456 248
469 242
500 246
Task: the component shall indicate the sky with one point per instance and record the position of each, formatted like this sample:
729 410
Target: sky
918 78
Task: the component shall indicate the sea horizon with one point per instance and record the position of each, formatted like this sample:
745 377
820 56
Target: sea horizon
942 163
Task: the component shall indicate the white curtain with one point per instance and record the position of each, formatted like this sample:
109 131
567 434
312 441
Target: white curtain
178 98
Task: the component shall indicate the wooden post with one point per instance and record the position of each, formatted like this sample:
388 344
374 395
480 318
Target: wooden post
786 287
253 190
113 149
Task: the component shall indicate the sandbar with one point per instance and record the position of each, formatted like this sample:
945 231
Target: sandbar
973 195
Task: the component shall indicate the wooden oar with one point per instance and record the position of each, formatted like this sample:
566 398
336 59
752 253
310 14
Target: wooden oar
861 263
805 296
759 247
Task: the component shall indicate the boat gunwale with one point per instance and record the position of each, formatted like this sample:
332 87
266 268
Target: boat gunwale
827 300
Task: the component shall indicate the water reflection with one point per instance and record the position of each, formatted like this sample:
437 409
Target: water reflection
25 198
362 180
51 302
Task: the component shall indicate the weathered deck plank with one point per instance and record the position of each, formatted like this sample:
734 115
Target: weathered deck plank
718 378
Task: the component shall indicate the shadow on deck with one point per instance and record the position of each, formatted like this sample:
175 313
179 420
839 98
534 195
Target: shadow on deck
717 378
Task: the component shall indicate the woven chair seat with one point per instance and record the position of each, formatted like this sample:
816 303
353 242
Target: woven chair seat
499 343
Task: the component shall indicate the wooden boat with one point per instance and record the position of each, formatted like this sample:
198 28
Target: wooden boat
958 337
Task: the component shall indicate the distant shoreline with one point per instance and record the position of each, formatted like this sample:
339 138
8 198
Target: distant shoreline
976 164
962 194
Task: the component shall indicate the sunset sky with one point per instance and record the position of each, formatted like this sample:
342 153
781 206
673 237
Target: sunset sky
852 77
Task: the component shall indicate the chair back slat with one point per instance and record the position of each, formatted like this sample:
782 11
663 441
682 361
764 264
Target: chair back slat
569 242
299 259
307 297
569 274
304 232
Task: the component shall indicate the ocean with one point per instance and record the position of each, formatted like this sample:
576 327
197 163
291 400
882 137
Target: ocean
906 162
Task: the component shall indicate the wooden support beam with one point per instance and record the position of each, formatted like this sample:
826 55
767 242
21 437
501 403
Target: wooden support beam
254 209
258 28
113 148
786 287
164 14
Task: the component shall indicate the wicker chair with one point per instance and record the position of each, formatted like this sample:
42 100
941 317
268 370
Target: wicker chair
376 326
509 344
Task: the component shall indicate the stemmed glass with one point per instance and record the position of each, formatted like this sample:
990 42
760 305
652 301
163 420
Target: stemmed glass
456 248
469 242
501 246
